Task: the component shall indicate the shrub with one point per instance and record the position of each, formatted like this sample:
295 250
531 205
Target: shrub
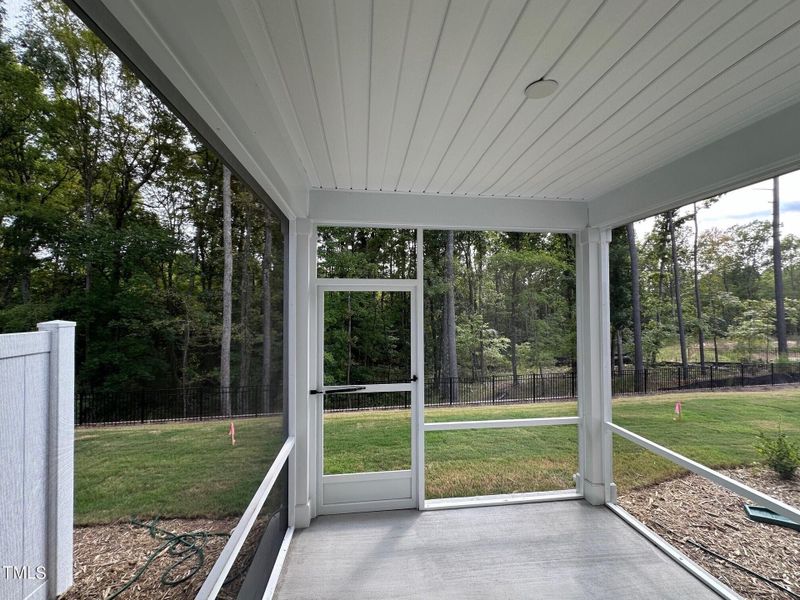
780 454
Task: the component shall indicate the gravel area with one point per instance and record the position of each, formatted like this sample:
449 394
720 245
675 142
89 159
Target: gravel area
107 556
691 510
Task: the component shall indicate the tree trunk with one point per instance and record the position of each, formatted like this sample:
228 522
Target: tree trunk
701 339
777 266
245 349
636 307
187 333
266 315
349 337
676 278
227 282
452 358
620 357
512 330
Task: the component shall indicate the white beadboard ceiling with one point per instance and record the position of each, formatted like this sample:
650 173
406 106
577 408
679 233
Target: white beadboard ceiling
426 96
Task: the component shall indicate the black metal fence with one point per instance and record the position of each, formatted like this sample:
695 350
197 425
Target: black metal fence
145 406
207 403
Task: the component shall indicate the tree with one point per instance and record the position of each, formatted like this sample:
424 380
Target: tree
245 292
227 301
777 268
701 341
266 314
676 278
620 273
636 305
450 317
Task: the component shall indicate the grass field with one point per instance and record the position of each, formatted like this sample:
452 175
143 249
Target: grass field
192 469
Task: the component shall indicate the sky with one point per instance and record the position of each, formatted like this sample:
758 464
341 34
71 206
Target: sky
739 206
746 204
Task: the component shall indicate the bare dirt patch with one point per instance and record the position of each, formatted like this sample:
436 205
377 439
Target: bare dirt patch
691 510
107 556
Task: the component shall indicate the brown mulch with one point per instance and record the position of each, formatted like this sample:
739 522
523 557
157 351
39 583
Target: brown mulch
692 508
107 556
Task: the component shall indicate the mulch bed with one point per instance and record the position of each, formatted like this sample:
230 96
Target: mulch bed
107 556
692 509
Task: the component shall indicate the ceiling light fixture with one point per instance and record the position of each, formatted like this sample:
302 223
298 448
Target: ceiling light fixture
541 89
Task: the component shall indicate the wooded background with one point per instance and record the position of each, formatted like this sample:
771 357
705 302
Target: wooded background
113 215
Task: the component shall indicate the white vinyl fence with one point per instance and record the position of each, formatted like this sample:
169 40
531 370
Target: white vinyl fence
37 373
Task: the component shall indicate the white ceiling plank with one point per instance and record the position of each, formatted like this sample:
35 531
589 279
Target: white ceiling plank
261 57
675 32
771 149
518 59
425 27
780 101
287 39
390 20
571 70
393 209
552 44
464 18
740 36
426 97
689 133
354 32
318 25
613 32
766 62
491 38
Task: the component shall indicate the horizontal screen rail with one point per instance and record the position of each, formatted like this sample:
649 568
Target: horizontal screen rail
695 467
501 423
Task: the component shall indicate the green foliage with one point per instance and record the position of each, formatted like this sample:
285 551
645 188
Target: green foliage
780 454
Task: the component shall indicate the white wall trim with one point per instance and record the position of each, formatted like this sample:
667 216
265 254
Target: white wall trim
435 211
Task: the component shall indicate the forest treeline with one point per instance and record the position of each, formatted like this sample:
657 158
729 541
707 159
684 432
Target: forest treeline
113 215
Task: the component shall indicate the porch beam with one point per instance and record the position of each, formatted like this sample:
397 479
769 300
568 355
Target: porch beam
301 236
757 152
594 363
435 211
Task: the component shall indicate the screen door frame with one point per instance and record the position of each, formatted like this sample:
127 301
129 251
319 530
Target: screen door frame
381 490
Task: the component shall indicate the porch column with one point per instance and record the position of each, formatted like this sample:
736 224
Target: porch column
594 363
303 455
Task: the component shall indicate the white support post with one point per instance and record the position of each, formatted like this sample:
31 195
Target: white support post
418 427
61 443
594 364
304 456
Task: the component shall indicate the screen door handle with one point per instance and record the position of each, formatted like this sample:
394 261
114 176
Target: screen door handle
340 390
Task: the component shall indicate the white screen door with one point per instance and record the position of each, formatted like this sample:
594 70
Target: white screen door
366 371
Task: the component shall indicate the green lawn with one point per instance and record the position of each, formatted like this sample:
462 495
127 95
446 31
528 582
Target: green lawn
172 470
192 470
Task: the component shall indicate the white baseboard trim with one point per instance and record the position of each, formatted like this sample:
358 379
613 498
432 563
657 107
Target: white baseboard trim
722 590
272 584
501 499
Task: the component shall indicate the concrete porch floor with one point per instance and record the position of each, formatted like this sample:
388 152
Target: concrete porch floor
564 550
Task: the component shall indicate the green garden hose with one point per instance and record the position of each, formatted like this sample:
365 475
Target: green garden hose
185 548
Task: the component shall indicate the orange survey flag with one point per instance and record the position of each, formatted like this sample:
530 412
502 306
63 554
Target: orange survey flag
232 433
